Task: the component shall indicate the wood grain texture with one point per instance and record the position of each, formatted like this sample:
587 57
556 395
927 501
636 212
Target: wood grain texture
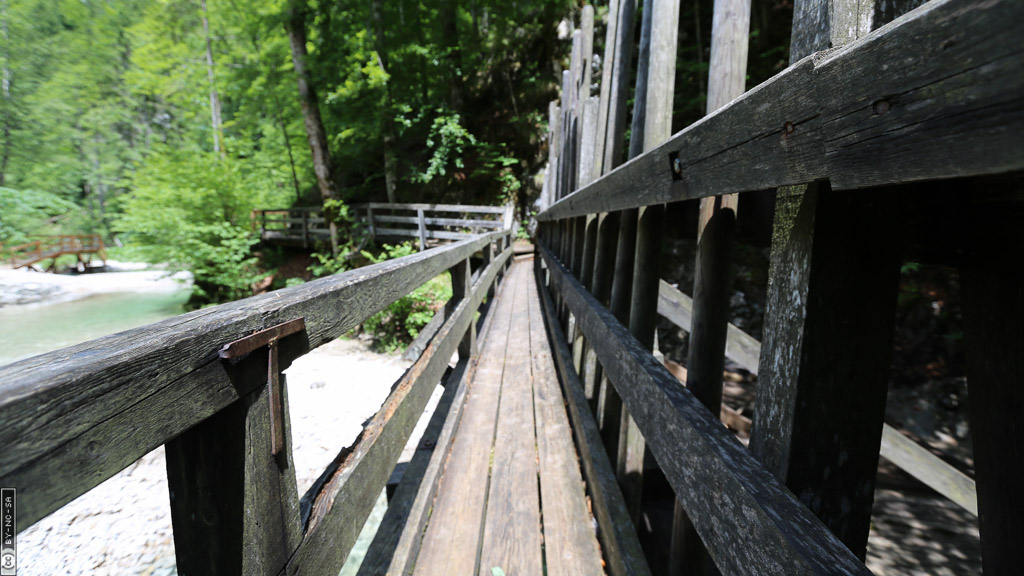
661 84
353 483
824 368
749 521
234 506
936 94
605 99
451 542
512 530
619 542
91 409
570 544
614 146
588 141
950 103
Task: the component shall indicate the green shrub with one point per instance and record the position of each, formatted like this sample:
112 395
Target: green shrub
26 212
395 327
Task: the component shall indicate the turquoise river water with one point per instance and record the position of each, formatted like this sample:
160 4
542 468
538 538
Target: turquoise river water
29 330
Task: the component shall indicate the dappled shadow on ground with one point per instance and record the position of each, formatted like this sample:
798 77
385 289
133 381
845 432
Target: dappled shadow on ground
922 534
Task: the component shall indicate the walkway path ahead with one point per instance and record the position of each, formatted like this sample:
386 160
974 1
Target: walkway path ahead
512 496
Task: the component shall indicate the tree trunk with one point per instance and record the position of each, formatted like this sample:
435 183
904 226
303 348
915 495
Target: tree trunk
214 98
387 120
450 31
288 147
5 81
295 24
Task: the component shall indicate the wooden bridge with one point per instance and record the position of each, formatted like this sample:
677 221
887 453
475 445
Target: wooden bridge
305 226
905 141
52 247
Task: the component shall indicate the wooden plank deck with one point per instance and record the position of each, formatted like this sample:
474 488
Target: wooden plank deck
512 496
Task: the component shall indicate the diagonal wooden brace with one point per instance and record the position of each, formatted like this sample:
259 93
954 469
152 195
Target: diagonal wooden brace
268 338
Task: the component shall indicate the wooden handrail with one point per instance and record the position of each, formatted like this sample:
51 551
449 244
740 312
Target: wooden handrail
695 451
295 225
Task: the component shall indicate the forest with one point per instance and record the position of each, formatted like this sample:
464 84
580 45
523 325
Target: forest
161 124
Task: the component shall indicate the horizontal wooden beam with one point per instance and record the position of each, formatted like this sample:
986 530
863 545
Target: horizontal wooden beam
435 207
74 417
311 220
903 452
492 224
414 233
749 521
917 461
348 495
740 347
937 93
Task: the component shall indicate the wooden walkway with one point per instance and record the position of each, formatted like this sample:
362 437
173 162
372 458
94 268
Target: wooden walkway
52 247
512 496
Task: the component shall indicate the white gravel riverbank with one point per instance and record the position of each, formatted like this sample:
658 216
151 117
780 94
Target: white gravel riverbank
123 526
24 287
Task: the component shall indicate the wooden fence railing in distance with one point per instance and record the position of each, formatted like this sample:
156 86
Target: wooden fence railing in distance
431 221
305 226
301 226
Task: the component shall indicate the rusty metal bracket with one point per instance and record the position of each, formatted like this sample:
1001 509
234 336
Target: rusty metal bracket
257 340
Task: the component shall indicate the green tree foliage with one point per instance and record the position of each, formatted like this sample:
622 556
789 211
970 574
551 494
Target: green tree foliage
400 323
107 105
27 212
191 209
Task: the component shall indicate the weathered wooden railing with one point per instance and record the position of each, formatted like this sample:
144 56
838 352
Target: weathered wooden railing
53 247
305 226
199 385
432 221
863 114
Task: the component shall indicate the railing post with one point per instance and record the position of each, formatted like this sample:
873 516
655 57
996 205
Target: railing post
711 290
369 221
461 285
993 338
422 229
234 505
835 262
305 228
488 256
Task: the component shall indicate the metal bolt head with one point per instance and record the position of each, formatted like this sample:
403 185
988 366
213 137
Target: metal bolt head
881 106
677 165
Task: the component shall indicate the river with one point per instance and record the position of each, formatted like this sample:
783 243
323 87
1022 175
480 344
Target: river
34 329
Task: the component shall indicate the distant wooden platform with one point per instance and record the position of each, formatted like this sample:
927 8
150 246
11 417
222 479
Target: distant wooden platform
53 247
512 496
